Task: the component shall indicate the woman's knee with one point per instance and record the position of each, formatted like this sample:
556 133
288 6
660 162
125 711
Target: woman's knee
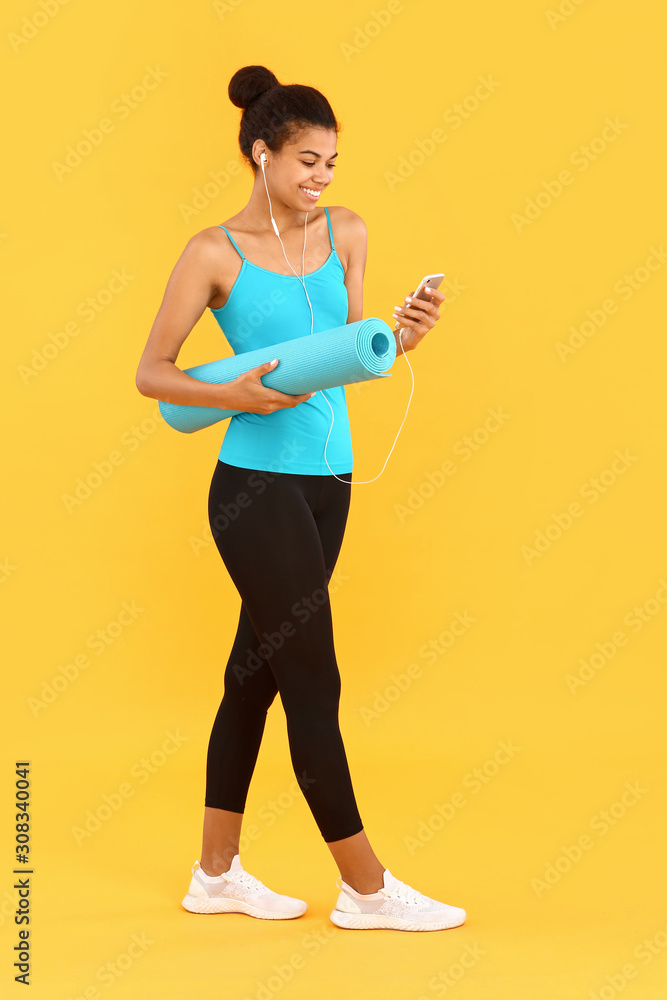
246 689
309 704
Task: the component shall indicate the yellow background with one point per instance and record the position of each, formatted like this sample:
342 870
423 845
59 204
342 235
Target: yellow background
515 292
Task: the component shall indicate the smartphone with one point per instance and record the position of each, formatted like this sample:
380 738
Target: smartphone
433 281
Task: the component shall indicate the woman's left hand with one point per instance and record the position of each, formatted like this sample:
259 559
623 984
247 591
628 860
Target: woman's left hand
417 317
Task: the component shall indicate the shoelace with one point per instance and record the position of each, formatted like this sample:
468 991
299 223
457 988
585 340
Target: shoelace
245 878
404 892
400 891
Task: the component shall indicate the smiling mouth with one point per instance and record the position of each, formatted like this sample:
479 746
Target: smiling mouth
312 193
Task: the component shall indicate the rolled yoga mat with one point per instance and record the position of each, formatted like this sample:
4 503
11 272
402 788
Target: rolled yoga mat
356 352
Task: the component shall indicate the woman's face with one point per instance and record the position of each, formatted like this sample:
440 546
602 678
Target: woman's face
303 168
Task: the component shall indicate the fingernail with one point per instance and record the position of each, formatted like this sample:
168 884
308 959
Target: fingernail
274 361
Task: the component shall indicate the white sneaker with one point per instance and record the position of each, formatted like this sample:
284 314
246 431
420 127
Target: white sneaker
237 891
397 906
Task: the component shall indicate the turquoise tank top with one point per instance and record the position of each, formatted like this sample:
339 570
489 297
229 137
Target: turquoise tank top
265 308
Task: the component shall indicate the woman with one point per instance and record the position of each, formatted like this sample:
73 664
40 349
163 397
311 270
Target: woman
277 505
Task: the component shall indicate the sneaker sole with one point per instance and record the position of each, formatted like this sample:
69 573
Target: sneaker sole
370 921
219 904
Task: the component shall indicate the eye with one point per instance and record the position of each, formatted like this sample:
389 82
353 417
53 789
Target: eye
311 163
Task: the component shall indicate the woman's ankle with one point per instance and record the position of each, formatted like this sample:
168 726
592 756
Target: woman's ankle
215 864
365 888
365 883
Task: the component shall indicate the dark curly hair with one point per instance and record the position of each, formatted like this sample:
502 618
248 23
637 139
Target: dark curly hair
273 112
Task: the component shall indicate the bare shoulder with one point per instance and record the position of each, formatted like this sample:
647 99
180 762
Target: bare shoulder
209 258
208 241
347 221
210 248
350 236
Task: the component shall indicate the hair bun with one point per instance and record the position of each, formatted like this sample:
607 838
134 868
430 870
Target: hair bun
249 83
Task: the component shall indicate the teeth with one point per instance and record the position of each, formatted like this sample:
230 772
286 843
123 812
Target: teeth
310 190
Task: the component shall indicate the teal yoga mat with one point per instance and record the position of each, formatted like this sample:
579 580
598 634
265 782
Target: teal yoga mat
356 352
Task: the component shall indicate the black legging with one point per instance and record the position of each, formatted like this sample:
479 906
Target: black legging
279 535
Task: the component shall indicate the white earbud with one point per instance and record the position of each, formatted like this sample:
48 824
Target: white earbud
262 160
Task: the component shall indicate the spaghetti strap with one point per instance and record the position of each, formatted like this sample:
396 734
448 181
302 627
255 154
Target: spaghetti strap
329 225
234 244
237 248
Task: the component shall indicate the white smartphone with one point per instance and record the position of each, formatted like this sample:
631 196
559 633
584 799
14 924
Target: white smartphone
433 281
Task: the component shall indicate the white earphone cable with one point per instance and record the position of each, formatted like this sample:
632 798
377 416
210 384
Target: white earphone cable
358 482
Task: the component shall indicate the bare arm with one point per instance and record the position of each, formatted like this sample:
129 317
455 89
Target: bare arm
191 286
356 237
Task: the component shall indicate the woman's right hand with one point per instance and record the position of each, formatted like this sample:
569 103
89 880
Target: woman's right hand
248 394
